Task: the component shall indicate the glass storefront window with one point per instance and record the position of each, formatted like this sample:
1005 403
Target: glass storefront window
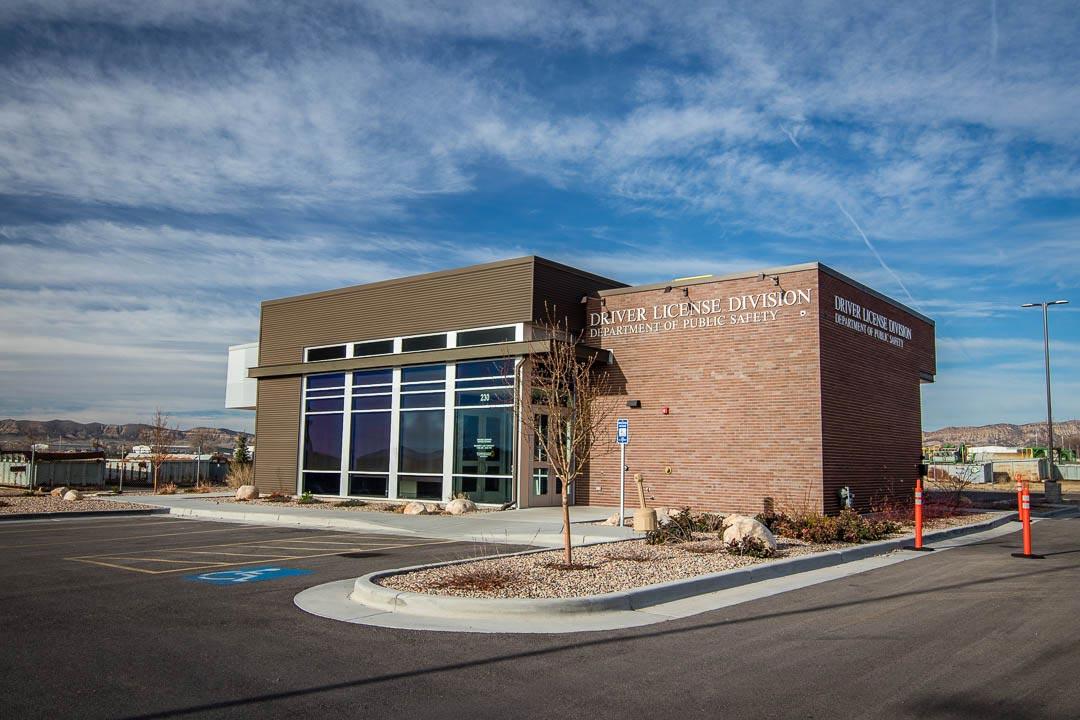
420 487
421 441
318 483
481 444
322 442
369 443
369 485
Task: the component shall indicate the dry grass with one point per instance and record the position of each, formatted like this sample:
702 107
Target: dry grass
240 475
167 489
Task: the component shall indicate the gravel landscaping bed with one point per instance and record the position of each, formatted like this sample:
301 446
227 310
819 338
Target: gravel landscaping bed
610 567
25 504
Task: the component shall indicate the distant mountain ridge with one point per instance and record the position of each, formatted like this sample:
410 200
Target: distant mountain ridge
71 433
1065 432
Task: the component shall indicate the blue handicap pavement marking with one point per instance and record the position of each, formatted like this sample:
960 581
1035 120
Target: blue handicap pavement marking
246 575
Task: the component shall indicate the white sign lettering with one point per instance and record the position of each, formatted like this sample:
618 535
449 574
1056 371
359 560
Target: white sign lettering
864 320
695 314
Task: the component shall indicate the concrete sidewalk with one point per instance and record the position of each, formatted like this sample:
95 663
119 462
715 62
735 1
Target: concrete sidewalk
540 527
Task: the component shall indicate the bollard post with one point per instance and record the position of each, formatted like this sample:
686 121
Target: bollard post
1025 516
918 519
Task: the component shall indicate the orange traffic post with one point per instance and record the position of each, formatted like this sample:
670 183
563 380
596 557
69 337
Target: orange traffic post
1025 516
918 519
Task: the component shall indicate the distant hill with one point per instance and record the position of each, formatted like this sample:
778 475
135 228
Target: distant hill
1066 432
71 435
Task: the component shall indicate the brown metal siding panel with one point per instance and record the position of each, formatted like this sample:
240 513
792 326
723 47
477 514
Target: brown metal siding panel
474 297
277 429
561 288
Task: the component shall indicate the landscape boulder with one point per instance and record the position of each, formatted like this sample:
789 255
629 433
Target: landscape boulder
613 520
247 492
415 508
73 495
59 492
460 506
737 527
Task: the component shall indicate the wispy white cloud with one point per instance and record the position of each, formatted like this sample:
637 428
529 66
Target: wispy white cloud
170 164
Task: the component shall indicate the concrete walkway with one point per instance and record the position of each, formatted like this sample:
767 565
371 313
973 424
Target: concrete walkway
541 527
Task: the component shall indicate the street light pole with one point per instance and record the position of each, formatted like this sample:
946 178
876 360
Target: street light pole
1052 488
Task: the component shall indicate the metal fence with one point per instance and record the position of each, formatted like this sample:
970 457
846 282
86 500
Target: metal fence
52 469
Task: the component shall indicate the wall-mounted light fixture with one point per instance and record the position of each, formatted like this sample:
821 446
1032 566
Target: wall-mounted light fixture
584 299
667 289
633 403
603 302
775 278
686 292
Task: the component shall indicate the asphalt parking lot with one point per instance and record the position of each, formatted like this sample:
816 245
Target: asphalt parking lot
107 619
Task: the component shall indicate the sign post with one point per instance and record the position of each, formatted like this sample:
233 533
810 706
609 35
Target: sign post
623 436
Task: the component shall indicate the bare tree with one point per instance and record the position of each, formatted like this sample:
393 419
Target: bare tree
158 437
567 386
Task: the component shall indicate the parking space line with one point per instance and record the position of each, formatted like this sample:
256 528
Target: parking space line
138 537
154 555
50 526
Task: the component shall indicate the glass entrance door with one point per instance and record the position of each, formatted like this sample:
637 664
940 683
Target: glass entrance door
543 490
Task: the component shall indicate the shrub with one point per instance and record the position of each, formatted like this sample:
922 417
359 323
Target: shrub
240 474
750 547
307 499
351 503
168 489
681 527
849 526
773 520
277 497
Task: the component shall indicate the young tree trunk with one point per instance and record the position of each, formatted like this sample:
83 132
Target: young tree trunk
567 559
155 479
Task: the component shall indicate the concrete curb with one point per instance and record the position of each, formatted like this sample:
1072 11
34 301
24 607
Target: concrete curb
314 520
366 592
82 514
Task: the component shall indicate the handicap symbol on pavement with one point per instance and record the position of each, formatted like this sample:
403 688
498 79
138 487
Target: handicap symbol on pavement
232 577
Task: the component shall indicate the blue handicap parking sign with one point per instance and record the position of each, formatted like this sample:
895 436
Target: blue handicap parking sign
246 575
623 427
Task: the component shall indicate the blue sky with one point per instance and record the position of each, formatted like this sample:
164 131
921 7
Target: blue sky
165 166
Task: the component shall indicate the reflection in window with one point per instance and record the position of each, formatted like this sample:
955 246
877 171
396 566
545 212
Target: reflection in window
375 347
424 342
421 441
465 338
369 485
420 487
337 352
322 442
318 483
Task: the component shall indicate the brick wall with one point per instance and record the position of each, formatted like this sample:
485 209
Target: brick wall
871 399
743 431
773 411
